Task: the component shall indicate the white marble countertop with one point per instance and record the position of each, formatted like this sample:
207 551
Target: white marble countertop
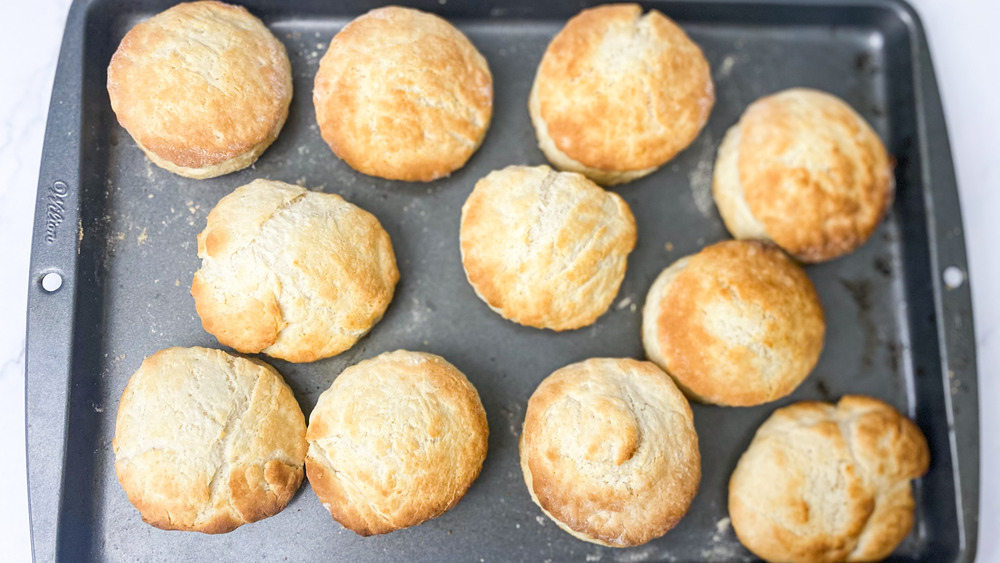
963 45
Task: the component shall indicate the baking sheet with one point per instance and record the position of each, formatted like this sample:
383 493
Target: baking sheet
122 233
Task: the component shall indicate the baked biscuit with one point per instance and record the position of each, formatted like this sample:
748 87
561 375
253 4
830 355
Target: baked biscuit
803 169
609 451
404 95
543 248
295 274
823 483
202 87
736 324
395 441
619 93
206 441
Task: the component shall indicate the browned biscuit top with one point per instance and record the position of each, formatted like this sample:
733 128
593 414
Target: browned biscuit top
543 248
623 91
609 451
403 94
200 84
813 172
295 274
396 440
207 441
822 483
738 324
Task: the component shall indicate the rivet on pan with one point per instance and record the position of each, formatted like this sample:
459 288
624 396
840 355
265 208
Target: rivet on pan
954 277
51 282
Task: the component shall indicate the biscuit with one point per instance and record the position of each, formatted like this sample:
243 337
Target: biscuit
202 87
803 169
736 324
404 95
609 451
821 483
543 248
206 441
395 441
295 274
619 93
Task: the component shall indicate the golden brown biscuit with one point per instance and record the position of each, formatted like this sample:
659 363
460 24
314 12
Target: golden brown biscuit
395 441
206 441
404 95
821 483
618 93
736 324
202 87
543 248
803 169
609 451
295 274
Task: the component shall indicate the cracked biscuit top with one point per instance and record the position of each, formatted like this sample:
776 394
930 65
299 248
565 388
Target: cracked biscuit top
404 95
822 483
295 274
206 441
543 248
395 441
619 93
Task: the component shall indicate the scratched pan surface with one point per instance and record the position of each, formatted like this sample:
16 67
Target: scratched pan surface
122 232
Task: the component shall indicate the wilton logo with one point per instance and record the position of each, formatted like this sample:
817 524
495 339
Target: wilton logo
55 209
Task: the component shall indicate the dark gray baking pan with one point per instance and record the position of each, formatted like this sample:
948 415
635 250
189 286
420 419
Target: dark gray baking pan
121 234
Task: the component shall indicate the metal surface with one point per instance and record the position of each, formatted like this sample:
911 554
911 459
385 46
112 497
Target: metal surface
122 234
